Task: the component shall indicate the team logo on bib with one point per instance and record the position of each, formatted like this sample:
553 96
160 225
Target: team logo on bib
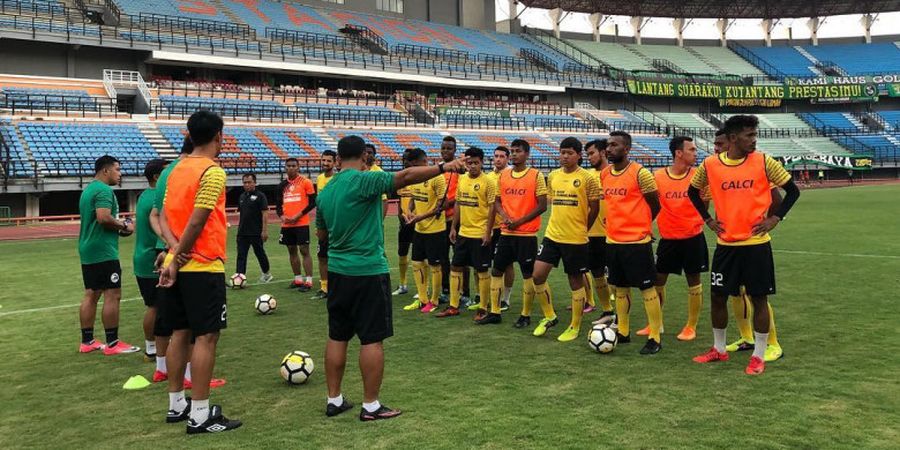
114 278
477 187
576 183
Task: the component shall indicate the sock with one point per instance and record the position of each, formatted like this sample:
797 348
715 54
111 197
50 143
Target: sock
150 347
505 294
589 290
187 371
759 347
545 298
496 287
578 299
177 402
623 307
603 292
661 293
372 407
742 313
308 280
87 335
695 301
404 267
527 296
654 312
199 411
773 336
336 401
456 279
161 364
323 284
421 279
719 339
436 279
112 336
298 278
484 286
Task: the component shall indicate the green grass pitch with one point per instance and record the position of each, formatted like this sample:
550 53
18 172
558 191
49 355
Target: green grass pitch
462 386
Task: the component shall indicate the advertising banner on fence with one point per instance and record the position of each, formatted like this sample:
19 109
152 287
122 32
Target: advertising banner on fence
754 93
840 162
472 112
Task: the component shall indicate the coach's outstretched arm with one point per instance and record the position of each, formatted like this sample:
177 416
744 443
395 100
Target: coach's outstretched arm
413 175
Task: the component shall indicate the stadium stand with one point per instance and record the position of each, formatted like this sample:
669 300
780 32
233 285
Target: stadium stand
804 146
540 147
205 10
47 99
859 59
391 144
19 163
787 60
891 118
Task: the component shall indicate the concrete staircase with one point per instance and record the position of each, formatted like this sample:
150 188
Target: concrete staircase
323 135
28 153
155 137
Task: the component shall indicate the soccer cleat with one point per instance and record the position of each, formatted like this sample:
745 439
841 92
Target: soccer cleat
773 353
504 306
213 383
428 308
332 410
92 347
479 314
711 356
524 321
465 301
622 339
414 306
651 347
544 325
295 284
687 334
756 366
740 345
401 291
474 306
381 414
606 317
448 312
489 319
643 331
173 416
570 334
216 423
120 348
159 376
443 298
304 287
321 295
266 278
588 309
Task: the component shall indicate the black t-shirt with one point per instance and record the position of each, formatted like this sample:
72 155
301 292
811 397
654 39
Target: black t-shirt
251 205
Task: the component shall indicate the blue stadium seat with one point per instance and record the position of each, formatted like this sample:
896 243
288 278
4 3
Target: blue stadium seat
786 59
859 59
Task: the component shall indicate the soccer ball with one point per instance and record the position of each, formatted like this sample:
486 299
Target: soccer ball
265 304
238 281
602 338
297 367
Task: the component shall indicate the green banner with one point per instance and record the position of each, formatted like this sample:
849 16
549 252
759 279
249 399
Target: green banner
894 89
840 162
853 79
766 92
472 112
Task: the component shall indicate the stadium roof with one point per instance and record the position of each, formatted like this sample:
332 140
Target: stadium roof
733 9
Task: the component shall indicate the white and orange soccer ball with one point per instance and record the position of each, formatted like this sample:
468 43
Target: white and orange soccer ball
265 304
238 281
602 338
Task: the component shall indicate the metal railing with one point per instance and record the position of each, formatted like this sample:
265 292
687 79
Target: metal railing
186 90
36 104
235 30
567 49
538 58
747 54
306 38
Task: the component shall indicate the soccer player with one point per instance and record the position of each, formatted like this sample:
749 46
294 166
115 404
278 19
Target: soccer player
359 301
632 202
740 304
596 153
327 171
448 153
500 163
194 273
98 249
294 199
575 196
475 196
166 240
521 199
739 181
426 212
682 246
156 337
372 164
405 231
253 229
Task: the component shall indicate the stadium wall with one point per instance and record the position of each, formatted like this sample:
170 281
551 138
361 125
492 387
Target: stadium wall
715 42
65 60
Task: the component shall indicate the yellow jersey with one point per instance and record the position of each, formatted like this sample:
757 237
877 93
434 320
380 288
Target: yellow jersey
598 229
405 197
570 195
322 181
495 177
425 197
474 198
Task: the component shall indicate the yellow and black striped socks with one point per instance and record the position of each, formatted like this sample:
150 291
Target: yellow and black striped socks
654 312
695 301
545 299
456 280
420 276
404 267
623 308
436 280
603 293
527 296
578 299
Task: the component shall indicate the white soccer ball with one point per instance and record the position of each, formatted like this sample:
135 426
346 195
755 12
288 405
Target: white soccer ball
265 304
602 338
238 281
297 367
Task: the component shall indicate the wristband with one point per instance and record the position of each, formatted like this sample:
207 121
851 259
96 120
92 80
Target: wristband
440 167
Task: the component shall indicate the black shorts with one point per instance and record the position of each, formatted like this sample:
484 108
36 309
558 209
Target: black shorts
294 235
597 254
102 275
573 256
751 266
431 247
196 302
361 306
676 255
468 252
631 265
148 289
495 239
322 250
405 233
520 249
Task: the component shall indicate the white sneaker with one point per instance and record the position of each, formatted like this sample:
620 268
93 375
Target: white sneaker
265 278
402 290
